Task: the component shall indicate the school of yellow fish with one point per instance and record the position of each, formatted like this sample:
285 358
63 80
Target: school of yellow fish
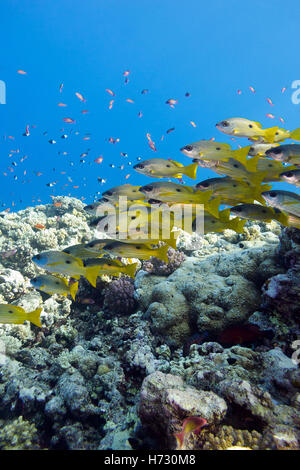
143 221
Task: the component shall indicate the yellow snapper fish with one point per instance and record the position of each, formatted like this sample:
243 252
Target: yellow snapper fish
132 193
289 153
232 191
210 150
241 127
122 221
80 251
257 212
291 177
62 263
271 169
160 168
166 191
260 149
136 250
102 203
54 285
223 222
17 315
145 237
283 134
237 171
287 201
113 267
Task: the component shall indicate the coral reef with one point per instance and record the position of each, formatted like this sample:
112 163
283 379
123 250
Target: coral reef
119 296
112 370
160 268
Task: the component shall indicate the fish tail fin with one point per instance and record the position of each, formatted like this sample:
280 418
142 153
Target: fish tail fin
162 253
171 242
269 134
295 134
224 215
73 290
257 193
237 224
212 206
241 154
191 170
283 219
251 164
130 270
34 317
91 274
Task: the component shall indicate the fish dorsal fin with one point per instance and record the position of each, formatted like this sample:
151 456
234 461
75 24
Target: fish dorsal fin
179 165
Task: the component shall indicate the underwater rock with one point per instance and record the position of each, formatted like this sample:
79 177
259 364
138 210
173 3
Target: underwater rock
165 401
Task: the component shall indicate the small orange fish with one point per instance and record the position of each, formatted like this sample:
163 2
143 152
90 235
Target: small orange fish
69 120
57 204
129 100
110 92
192 424
80 97
21 72
61 104
39 226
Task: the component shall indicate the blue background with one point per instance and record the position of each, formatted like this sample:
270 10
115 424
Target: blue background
171 47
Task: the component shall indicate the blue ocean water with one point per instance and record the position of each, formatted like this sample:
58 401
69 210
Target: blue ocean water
206 51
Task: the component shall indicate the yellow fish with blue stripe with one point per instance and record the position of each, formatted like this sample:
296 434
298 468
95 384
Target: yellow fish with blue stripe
54 285
160 168
62 263
13 314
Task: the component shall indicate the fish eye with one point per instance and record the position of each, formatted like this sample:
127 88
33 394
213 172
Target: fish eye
10 311
205 184
178 190
276 150
168 166
148 189
288 175
224 123
272 194
68 261
237 209
250 125
38 257
57 282
138 247
218 148
251 149
140 166
235 165
109 193
264 211
34 280
188 148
